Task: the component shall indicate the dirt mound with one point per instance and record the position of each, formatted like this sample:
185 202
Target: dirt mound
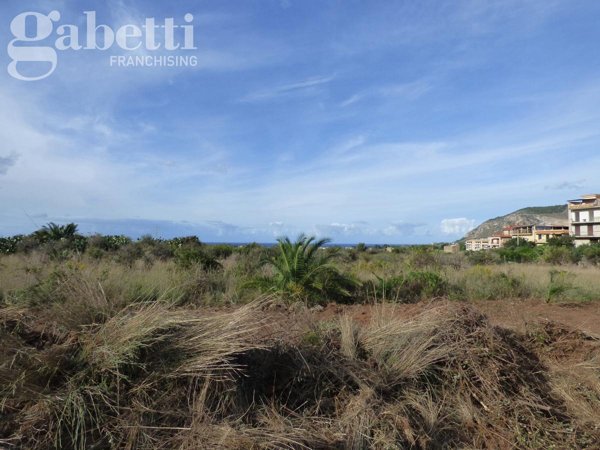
152 376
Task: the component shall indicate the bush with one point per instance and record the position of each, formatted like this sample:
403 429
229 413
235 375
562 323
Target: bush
177 243
484 257
411 287
9 245
561 282
108 243
129 254
57 250
556 254
521 253
421 258
361 247
562 241
589 253
220 251
482 283
162 250
191 255
27 244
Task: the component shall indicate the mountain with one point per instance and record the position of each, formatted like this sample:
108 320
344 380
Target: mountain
538 215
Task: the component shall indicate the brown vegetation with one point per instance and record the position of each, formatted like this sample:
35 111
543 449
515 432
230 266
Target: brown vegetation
95 354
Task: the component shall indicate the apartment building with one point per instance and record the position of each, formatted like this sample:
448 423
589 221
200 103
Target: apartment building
584 219
476 245
536 234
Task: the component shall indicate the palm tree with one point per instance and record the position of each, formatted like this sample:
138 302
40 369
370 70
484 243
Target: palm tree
54 232
303 272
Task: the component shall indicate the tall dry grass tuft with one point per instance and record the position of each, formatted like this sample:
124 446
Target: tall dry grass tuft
208 342
350 335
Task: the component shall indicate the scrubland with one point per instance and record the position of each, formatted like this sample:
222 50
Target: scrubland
177 344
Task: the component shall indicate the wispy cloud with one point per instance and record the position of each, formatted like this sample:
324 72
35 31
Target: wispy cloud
407 91
567 185
301 87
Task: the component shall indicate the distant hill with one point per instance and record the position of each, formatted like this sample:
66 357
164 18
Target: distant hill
537 215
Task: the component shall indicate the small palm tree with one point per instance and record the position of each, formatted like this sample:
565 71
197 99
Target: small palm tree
54 232
303 272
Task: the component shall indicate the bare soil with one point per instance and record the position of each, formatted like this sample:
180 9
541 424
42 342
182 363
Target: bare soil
513 314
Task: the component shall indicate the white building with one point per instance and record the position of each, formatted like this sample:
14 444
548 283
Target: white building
584 219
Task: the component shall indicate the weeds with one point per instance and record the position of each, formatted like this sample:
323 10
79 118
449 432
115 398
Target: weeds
95 354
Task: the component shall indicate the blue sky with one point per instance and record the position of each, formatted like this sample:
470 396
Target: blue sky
379 121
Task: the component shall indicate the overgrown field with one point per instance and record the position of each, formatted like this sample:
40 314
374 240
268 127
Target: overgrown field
176 344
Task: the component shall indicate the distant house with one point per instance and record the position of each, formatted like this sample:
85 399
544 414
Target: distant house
584 219
452 248
536 234
542 234
500 239
476 245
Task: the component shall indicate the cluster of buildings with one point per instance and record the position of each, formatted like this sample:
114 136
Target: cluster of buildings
583 226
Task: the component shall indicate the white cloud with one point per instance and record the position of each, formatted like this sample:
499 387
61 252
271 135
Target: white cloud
458 226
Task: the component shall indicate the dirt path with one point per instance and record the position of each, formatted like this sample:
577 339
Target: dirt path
513 314
517 313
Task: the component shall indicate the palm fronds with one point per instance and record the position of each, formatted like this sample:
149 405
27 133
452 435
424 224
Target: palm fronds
55 232
303 271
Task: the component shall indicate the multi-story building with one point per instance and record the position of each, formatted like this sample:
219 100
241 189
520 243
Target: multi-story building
543 233
476 245
584 219
536 234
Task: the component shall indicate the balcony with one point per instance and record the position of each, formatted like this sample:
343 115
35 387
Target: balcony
585 205
592 221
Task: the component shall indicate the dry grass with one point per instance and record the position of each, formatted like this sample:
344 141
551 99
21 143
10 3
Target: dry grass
154 375
97 356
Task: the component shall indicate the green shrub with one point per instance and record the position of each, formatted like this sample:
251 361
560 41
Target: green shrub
9 245
162 250
177 243
561 282
58 250
589 253
411 287
303 271
44 291
520 254
220 251
421 257
483 283
191 255
108 243
129 254
556 254
562 241
27 244
486 257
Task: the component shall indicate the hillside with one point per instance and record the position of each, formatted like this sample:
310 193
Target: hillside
539 215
